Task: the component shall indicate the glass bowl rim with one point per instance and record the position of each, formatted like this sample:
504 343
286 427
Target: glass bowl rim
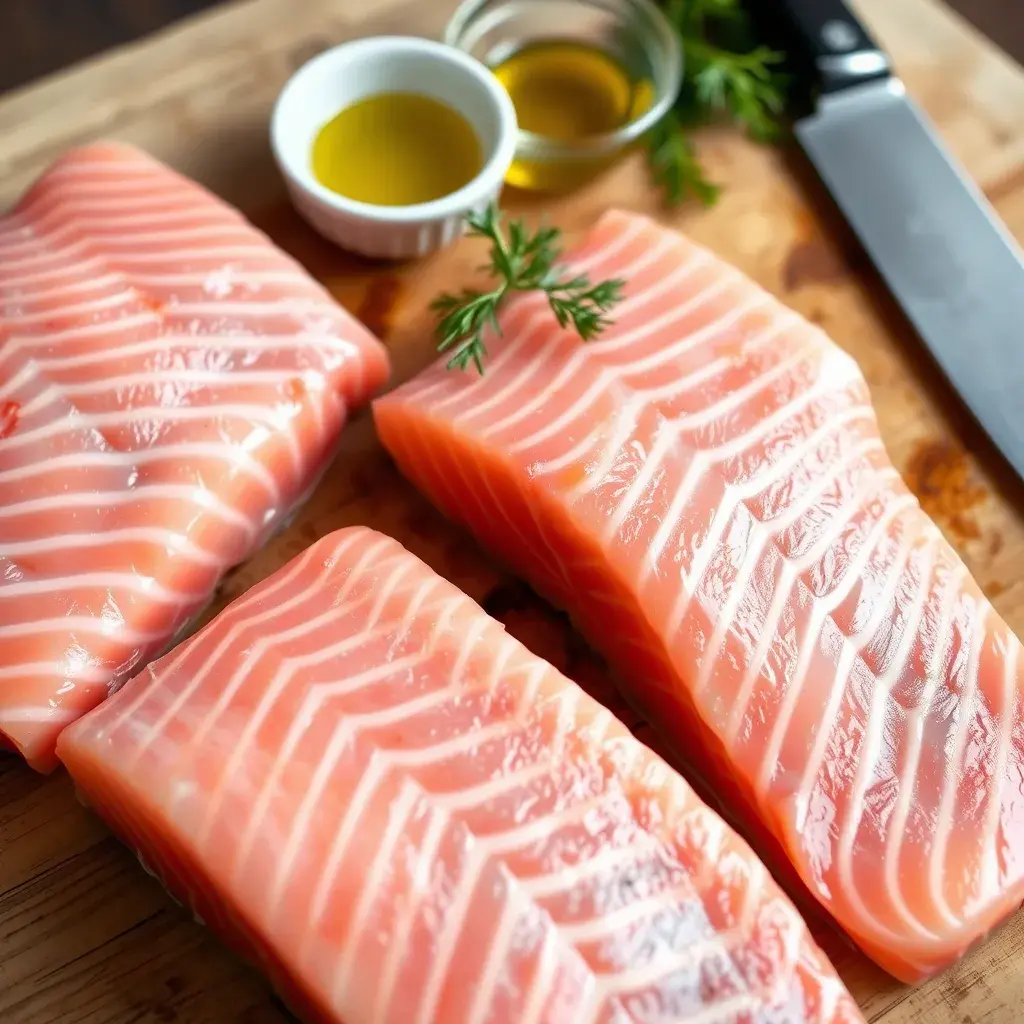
533 146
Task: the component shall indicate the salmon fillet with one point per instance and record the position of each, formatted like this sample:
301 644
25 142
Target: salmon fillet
705 490
171 385
358 778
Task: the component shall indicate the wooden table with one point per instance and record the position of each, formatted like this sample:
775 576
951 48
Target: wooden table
85 936
43 36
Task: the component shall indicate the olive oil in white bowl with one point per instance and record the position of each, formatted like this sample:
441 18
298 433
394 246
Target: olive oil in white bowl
397 149
363 78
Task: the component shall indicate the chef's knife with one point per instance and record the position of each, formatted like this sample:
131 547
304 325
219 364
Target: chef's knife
950 263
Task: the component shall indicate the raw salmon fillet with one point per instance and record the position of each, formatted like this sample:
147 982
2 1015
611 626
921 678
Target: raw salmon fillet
363 782
705 490
171 385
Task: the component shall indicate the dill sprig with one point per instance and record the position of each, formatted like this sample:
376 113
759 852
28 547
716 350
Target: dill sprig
520 262
726 76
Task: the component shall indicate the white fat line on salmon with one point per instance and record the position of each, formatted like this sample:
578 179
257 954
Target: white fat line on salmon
782 320
536 366
512 912
93 234
905 790
915 721
608 987
78 212
302 719
19 297
967 711
477 796
105 329
16 251
439 823
542 321
48 316
611 988
460 389
63 204
604 925
48 394
791 571
708 460
124 259
276 419
195 494
347 731
240 626
45 713
793 568
639 400
106 581
615 858
231 377
95 624
614 340
265 641
989 871
482 851
240 276
127 169
173 543
300 307
669 434
79 673
304 716
380 764
765 534
96 420
552 957
636 400
221 452
299 343
47 262
417 602
23 376
420 887
852 647
373 883
879 704
461 744
83 271
821 610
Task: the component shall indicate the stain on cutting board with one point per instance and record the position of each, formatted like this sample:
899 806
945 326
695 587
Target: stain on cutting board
944 480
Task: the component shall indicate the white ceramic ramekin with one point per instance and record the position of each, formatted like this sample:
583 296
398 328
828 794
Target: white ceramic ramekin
350 72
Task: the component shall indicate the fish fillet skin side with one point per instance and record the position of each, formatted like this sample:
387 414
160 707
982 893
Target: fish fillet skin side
704 488
171 387
362 782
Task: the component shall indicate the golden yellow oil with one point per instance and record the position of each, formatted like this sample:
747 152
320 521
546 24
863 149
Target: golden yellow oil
396 149
567 91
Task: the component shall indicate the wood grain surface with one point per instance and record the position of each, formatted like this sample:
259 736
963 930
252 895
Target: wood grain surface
42 36
85 936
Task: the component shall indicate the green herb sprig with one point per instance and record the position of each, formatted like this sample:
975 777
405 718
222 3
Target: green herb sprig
726 76
521 262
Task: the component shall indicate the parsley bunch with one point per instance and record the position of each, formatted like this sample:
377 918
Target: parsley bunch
520 262
725 76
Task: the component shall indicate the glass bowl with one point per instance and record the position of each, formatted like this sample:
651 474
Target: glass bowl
634 32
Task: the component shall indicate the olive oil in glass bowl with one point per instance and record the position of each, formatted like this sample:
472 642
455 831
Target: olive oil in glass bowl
587 78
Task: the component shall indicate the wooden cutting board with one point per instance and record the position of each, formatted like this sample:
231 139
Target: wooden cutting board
85 936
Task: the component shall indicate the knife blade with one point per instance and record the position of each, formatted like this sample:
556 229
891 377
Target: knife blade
950 263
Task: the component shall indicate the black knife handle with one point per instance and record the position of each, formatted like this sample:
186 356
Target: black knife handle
836 45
